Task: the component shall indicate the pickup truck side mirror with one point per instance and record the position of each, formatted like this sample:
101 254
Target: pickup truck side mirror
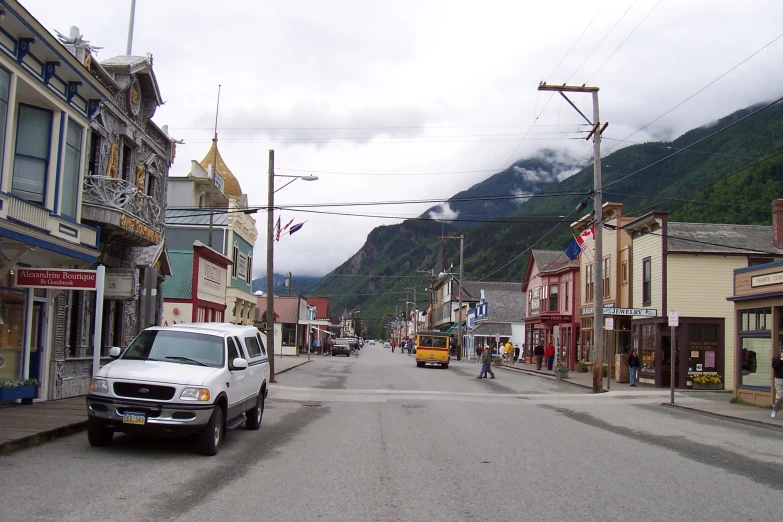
115 352
238 364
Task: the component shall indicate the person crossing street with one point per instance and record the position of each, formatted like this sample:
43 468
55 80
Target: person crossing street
486 365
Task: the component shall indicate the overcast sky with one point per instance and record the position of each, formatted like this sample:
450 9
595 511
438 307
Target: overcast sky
420 88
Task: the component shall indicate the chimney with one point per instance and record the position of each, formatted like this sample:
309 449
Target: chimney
777 223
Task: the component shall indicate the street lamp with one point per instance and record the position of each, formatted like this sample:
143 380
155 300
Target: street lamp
270 255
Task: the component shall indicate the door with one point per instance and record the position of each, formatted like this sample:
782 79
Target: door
239 379
37 339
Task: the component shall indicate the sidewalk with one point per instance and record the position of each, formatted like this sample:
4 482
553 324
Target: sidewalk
584 380
25 426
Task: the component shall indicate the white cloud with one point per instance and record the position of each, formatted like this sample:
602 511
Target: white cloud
447 89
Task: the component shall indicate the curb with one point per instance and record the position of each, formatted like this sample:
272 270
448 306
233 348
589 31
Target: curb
292 367
542 374
40 438
738 420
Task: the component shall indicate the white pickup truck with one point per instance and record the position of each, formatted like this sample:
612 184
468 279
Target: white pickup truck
198 378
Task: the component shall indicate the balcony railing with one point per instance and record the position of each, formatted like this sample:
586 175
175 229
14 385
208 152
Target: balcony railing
117 193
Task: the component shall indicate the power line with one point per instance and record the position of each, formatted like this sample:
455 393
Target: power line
602 40
574 44
702 89
669 147
765 107
626 39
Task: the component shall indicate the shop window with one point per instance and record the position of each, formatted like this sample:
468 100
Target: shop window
607 274
553 302
69 185
5 85
646 281
31 160
12 314
755 350
289 334
646 348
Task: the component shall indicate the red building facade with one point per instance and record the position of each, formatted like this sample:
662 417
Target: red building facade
551 286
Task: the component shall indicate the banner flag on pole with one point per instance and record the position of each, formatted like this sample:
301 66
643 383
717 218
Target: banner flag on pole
288 224
277 230
296 228
573 250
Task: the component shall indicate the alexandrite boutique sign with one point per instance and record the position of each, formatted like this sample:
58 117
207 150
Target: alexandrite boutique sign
56 278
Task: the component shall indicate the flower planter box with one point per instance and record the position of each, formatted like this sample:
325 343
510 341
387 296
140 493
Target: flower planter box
561 373
709 386
26 393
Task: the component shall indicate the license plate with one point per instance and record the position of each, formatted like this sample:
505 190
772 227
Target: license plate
134 418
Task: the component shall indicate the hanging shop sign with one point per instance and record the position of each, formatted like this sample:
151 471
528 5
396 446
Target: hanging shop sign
766 279
641 312
555 318
140 229
56 278
119 285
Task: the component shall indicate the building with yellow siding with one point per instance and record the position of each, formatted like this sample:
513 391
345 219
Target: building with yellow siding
689 268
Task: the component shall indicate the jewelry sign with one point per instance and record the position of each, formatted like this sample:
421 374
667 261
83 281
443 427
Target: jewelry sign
56 278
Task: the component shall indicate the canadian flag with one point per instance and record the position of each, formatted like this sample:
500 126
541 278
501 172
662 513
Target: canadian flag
587 234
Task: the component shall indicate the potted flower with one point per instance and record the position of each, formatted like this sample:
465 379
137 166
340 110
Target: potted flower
12 389
707 382
561 372
581 367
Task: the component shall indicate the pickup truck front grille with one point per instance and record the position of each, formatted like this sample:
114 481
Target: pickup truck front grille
144 391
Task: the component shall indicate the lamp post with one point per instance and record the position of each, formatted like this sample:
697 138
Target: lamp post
270 255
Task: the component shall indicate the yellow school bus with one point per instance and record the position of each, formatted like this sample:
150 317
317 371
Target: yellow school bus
432 348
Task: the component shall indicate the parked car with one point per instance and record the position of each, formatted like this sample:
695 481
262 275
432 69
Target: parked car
342 346
199 378
371 342
387 344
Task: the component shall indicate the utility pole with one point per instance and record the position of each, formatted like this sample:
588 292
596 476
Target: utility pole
290 282
270 257
598 311
459 291
214 173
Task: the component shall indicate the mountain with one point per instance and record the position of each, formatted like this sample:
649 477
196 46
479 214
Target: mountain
300 284
524 178
731 171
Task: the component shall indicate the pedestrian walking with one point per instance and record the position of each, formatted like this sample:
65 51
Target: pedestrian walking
410 347
516 353
486 365
549 353
314 345
633 367
538 351
777 366
509 349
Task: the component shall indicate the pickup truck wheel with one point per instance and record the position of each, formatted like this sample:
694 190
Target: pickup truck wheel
210 437
98 435
255 414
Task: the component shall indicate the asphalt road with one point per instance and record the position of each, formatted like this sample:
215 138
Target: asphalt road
375 438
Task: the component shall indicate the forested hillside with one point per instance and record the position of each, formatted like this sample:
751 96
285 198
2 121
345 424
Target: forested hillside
737 173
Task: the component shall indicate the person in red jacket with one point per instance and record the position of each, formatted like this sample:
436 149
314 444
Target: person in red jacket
549 353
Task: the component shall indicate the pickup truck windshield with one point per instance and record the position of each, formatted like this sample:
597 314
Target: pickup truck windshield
177 347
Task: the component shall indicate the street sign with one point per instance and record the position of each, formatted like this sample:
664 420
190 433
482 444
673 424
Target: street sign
674 318
609 323
56 278
556 330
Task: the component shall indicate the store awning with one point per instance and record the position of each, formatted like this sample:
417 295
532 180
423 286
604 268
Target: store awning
491 330
454 327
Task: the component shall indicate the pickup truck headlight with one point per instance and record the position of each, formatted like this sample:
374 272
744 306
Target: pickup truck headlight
195 394
99 386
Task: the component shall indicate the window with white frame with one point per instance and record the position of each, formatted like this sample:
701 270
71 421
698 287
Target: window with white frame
31 159
235 259
73 160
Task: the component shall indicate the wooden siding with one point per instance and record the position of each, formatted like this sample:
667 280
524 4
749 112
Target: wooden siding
698 286
742 282
647 246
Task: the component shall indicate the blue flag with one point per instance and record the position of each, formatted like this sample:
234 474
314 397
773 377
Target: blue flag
573 250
